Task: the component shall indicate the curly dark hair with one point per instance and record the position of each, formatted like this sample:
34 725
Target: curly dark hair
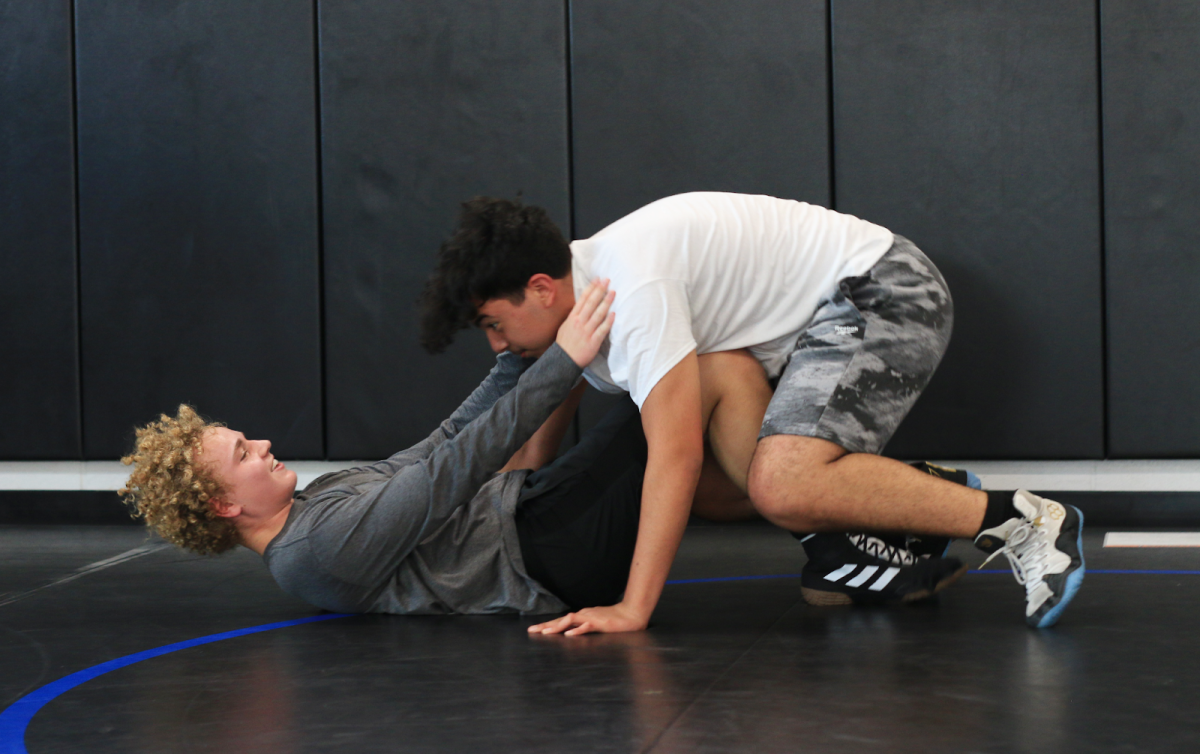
497 246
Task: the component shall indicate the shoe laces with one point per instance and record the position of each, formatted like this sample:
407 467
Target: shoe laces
877 548
1027 553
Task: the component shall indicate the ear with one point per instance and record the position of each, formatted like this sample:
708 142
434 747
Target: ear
543 287
224 509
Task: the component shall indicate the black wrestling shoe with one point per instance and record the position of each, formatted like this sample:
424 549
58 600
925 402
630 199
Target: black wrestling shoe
845 569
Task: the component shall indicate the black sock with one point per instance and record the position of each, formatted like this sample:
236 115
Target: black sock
1000 508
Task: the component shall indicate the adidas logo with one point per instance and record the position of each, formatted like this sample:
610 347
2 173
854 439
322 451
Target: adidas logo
845 329
864 576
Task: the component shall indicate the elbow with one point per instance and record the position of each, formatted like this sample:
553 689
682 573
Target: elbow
684 454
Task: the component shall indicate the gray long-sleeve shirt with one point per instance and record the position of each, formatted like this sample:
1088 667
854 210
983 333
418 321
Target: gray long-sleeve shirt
431 529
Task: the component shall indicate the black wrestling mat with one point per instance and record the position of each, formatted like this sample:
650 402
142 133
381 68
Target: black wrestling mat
734 661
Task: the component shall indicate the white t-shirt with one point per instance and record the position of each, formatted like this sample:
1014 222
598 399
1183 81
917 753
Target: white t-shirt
716 272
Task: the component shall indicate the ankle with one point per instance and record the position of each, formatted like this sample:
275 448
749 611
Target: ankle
1000 508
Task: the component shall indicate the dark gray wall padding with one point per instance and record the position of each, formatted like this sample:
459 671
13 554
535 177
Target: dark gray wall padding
423 105
198 218
1151 73
971 127
671 97
39 382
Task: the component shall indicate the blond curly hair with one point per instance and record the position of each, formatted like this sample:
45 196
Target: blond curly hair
170 488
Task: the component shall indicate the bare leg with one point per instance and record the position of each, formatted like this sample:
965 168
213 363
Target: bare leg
807 484
718 498
734 395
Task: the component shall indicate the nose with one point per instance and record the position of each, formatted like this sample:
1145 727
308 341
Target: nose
498 343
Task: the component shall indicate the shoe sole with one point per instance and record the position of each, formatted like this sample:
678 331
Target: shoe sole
822 598
1074 581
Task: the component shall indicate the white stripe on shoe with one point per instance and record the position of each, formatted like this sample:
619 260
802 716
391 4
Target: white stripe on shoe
839 573
884 580
861 578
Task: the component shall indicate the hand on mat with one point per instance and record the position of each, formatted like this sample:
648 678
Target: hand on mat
604 620
586 327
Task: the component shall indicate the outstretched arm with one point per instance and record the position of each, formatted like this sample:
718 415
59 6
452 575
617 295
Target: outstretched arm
457 468
500 380
671 418
376 529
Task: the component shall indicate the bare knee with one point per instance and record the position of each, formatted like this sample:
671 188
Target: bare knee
792 508
787 482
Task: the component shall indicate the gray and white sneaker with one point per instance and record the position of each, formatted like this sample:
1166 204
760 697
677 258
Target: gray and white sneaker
1045 550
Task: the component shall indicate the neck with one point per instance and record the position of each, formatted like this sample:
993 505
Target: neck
256 534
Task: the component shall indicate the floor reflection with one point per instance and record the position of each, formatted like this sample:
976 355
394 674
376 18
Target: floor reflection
639 664
225 698
1041 681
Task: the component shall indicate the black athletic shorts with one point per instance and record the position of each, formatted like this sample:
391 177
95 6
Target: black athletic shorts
577 518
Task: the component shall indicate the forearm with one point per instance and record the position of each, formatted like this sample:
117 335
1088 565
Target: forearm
667 492
671 417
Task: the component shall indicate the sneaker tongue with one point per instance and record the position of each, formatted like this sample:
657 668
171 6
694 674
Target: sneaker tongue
1028 503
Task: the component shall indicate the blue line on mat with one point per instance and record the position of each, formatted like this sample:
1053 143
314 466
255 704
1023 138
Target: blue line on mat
15 720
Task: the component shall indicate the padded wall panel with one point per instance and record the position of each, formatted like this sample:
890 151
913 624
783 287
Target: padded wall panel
673 96
971 127
39 385
1152 213
423 105
198 218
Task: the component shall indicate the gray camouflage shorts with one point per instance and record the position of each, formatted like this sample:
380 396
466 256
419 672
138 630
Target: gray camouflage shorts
870 350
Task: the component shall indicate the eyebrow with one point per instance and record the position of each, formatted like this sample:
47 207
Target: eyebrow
480 318
236 445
